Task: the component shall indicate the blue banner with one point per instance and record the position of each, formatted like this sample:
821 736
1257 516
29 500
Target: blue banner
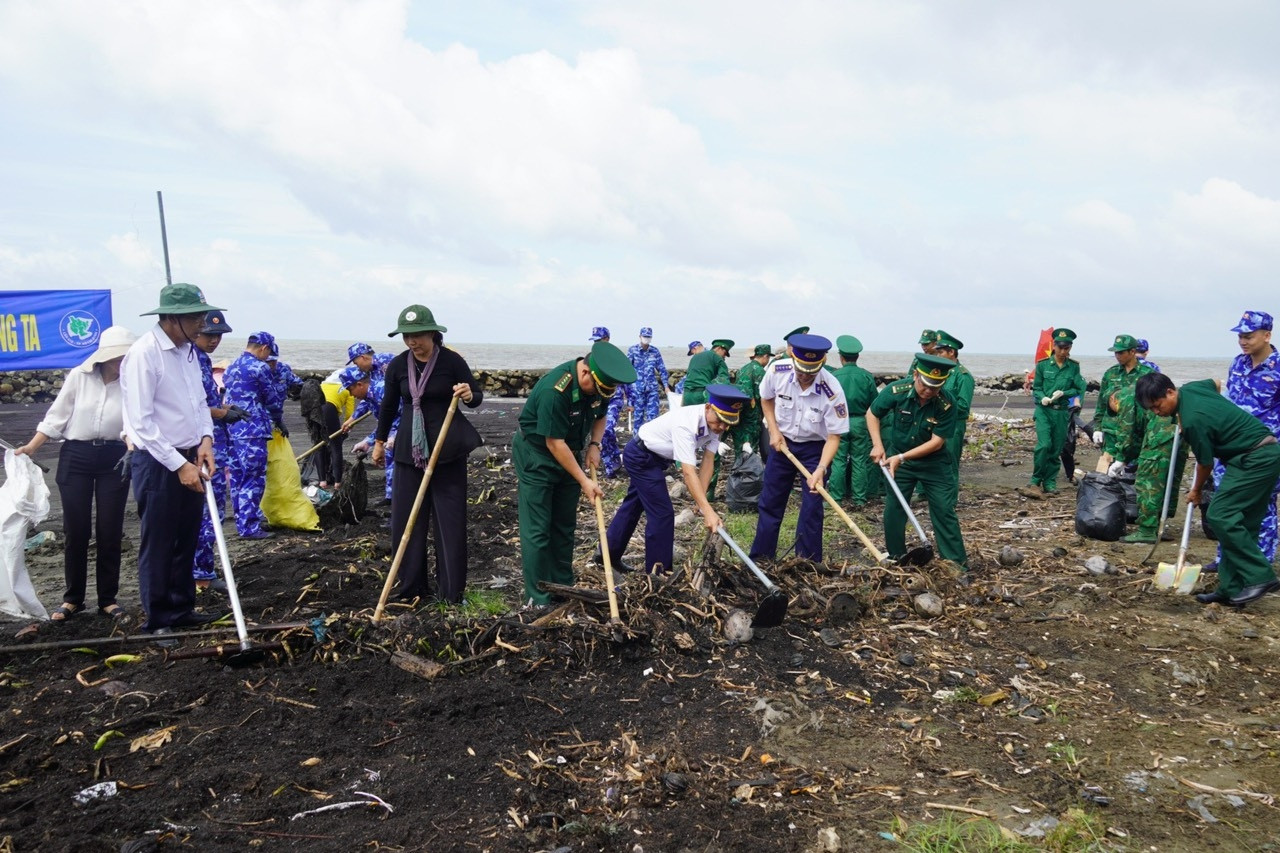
42 329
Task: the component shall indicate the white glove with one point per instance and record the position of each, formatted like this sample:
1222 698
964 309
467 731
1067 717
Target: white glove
1115 469
1097 438
1045 401
1057 394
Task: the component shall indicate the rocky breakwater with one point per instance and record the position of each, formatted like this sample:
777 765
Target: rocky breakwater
30 386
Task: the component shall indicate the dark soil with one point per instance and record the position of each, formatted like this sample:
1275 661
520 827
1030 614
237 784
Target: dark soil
1042 689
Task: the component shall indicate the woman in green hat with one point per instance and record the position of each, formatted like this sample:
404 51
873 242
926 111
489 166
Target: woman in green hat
421 382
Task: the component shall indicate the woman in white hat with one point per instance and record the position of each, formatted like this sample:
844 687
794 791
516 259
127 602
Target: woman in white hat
87 415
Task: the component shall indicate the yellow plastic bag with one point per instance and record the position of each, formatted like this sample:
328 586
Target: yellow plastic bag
283 502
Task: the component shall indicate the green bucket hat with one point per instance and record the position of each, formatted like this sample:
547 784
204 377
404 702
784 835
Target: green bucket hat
948 340
415 319
1123 342
610 367
848 345
182 299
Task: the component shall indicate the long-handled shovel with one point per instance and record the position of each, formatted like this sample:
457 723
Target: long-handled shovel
304 454
881 557
413 513
1179 577
774 607
604 552
921 554
1168 493
247 655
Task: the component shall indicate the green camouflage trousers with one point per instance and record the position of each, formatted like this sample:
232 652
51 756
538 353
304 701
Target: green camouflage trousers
1153 474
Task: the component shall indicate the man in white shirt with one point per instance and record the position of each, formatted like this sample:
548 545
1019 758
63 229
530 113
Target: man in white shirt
805 410
676 436
166 418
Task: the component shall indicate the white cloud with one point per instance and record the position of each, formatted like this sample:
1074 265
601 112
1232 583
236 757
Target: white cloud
1096 213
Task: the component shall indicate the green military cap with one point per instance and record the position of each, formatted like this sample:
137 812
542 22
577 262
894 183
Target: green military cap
927 336
933 369
182 299
1066 336
762 349
414 320
722 342
848 345
610 367
948 340
798 330
1123 342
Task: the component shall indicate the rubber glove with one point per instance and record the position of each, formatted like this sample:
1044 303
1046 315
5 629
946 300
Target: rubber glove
1115 469
234 414
1046 401
125 465
1097 438
1057 394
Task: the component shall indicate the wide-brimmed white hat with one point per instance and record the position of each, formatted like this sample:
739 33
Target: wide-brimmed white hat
115 342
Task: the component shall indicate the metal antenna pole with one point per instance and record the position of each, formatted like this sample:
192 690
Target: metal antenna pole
164 238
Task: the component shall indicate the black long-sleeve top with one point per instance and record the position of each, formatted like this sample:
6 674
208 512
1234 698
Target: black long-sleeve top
451 368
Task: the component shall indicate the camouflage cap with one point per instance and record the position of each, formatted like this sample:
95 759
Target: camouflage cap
762 349
927 336
351 376
1123 342
356 350
1253 321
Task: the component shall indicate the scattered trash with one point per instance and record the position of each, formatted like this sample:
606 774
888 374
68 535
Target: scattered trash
1096 565
100 791
928 604
1010 556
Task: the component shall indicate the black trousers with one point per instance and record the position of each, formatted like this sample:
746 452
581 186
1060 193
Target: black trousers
86 473
329 457
170 514
444 507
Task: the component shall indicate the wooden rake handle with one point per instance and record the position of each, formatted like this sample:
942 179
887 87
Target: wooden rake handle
880 556
304 454
604 553
413 513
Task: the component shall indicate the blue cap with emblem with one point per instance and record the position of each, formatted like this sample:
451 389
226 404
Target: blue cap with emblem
215 323
646 332
693 345
1253 321
356 350
1142 346
809 352
598 333
727 402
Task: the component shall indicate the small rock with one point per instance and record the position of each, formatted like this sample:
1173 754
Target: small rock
1059 552
907 659
114 688
1010 556
828 840
686 515
1096 565
737 627
928 604
677 491
675 783
1249 634
829 637
797 659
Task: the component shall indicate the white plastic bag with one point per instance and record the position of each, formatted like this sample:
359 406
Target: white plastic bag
24 501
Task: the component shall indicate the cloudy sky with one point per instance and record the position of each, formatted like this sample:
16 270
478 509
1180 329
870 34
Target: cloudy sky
529 169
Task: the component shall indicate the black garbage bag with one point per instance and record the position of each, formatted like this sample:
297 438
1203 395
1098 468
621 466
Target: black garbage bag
1100 512
350 502
746 479
1128 482
1206 498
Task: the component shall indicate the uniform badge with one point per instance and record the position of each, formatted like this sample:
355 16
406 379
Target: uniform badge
841 410
563 382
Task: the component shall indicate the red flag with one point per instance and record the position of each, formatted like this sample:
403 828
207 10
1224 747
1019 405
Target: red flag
1045 347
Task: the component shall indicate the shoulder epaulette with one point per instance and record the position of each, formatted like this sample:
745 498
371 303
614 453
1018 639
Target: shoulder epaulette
901 387
946 404
563 382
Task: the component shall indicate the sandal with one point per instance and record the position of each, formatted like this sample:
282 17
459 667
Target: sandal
65 611
115 611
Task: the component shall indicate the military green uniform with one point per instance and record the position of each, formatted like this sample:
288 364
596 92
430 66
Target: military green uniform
1215 427
906 423
1147 438
705 368
1116 380
748 429
1052 420
547 493
959 387
853 474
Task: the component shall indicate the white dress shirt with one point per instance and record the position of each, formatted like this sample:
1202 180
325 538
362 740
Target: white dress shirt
680 434
164 402
86 409
809 414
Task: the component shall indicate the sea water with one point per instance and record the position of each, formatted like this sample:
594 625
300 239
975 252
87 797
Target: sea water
327 355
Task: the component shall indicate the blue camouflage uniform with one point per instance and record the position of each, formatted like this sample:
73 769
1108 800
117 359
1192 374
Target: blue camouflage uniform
610 452
204 567
1143 346
286 379
373 403
1257 391
651 380
251 385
